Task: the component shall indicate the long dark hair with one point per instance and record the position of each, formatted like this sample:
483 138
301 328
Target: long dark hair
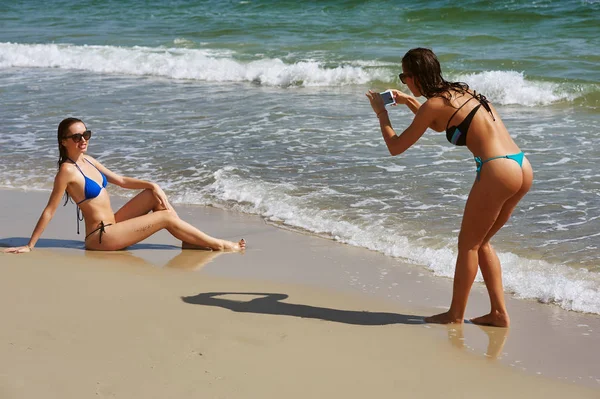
423 65
63 130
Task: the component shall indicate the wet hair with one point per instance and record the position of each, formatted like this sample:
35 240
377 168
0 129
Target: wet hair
63 130
424 67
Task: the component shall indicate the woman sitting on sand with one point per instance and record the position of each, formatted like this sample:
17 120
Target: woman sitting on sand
85 179
503 174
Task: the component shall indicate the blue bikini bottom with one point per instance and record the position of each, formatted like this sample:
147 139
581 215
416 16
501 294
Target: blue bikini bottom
518 158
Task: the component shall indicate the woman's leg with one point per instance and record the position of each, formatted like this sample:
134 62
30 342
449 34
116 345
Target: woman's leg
192 238
490 264
142 204
131 231
500 180
492 276
139 205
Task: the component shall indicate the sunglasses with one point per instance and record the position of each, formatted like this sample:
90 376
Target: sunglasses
403 76
78 136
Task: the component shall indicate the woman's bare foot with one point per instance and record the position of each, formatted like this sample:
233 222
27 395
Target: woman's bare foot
224 246
234 246
443 318
495 319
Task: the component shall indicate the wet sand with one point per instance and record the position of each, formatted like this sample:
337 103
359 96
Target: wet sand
293 316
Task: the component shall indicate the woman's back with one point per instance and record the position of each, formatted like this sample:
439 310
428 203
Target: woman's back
469 119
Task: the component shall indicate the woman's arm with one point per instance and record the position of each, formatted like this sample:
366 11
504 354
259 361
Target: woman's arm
60 184
401 98
398 144
132 183
121 181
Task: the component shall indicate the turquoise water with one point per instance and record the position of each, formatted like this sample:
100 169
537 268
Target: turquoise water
550 40
260 107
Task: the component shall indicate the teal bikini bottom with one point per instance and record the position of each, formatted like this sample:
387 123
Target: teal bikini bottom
518 158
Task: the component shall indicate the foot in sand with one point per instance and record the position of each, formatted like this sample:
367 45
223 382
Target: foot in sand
495 319
234 246
444 318
225 246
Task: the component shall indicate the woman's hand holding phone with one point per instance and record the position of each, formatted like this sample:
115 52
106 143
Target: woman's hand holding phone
399 96
388 97
376 101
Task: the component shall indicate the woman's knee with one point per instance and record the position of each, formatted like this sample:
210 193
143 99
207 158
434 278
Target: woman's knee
168 217
484 248
155 203
465 244
471 240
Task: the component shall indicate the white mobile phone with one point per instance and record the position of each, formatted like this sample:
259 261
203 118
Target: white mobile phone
388 98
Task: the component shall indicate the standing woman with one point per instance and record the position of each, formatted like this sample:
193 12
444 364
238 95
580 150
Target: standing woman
85 179
503 173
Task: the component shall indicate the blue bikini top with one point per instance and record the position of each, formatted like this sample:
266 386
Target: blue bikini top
91 189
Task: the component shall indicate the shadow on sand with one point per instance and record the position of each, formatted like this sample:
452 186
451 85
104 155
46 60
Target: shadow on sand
269 303
72 244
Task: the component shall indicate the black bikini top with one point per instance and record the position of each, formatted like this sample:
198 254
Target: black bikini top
457 135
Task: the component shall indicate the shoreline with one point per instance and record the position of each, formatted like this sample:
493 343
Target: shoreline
545 344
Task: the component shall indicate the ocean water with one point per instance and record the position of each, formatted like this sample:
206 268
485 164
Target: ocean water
259 107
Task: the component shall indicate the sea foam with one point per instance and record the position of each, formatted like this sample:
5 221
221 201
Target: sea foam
570 288
511 87
503 87
181 63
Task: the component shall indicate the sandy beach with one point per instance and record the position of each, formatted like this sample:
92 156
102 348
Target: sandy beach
294 316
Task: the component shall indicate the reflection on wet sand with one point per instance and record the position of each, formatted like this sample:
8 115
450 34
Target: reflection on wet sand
496 338
192 259
184 259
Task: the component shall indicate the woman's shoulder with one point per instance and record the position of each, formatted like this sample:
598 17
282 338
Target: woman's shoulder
453 98
91 160
66 170
436 103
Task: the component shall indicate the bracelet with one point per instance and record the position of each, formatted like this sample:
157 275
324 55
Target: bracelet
381 112
30 248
